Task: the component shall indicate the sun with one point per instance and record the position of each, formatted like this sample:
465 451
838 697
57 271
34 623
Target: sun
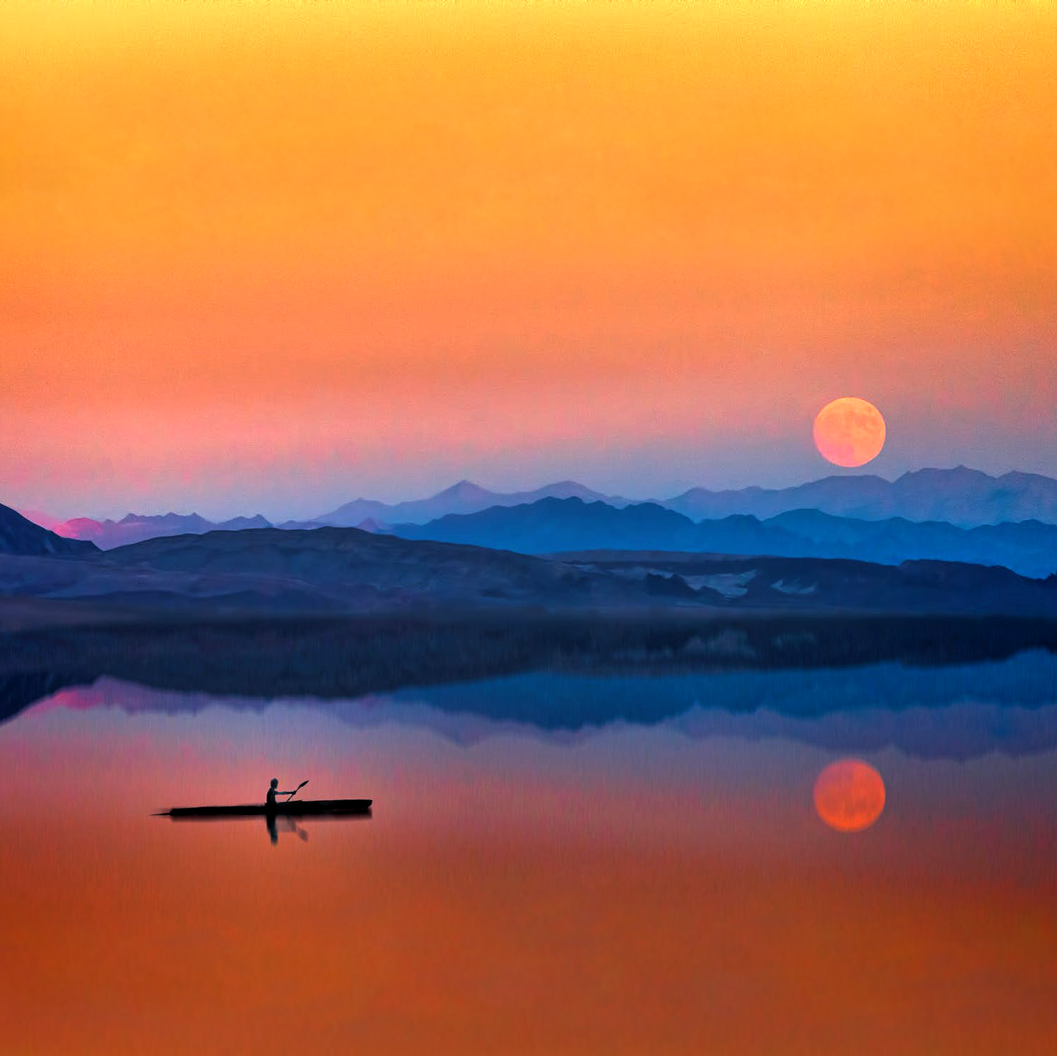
849 431
849 795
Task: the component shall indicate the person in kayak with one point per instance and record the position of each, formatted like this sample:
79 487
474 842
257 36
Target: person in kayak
273 792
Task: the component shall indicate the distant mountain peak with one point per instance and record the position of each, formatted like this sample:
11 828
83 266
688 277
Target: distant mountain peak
463 489
958 472
872 478
462 497
570 489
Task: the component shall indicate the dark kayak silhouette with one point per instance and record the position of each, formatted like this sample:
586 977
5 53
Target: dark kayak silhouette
271 808
295 808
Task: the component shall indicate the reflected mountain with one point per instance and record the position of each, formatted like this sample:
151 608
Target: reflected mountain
345 658
20 689
953 712
952 687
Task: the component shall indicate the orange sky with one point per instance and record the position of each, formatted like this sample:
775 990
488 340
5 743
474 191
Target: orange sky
274 256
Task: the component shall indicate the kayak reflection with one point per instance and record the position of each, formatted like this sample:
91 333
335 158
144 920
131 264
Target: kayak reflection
289 825
276 822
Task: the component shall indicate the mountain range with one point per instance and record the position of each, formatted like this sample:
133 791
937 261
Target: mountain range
962 497
464 497
135 527
558 525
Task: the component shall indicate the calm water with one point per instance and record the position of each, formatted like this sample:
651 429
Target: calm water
647 876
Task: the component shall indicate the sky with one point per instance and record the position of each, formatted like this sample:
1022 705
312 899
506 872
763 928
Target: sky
270 257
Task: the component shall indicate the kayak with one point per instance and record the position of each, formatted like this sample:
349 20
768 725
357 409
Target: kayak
294 807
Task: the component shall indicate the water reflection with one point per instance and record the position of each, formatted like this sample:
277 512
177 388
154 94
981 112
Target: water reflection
275 824
849 795
955 712
658 882
288 824
342 660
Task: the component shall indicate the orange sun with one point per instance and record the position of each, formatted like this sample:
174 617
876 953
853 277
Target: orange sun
849 431
849 795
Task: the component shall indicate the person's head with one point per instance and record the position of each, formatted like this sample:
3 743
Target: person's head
275 782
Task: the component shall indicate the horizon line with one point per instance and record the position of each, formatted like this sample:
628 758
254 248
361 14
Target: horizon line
28 510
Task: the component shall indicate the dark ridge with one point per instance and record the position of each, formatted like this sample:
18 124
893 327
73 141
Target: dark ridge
21 536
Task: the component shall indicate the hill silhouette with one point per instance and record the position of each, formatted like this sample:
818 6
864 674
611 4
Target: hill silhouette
18 535
345 569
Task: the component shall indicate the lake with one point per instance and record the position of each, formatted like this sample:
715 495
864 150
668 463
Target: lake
556 863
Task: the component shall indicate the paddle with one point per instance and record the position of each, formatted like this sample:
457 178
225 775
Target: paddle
296 790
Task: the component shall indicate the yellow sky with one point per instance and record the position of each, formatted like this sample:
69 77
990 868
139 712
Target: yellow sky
342 235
